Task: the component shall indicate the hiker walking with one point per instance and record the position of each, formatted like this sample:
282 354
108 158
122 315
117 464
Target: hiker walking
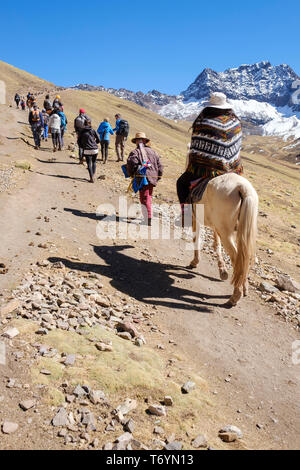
37 123
45 128
63 125
55 125
122 132
56 102
23 104
28 99
79 123
146 162
88 140
47 104
17 99
104 130
33 100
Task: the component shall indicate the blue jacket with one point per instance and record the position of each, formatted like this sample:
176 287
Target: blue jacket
104 130
63 119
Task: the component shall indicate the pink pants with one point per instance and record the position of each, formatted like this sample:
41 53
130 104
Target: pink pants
146 199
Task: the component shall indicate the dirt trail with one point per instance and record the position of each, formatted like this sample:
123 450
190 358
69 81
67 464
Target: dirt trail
244 353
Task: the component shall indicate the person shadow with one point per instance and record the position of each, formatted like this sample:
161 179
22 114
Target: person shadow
95 216
147 281
81 180
56 162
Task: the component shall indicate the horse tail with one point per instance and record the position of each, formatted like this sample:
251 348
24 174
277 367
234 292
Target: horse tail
246 233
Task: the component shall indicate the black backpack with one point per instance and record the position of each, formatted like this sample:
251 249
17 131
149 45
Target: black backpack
123 128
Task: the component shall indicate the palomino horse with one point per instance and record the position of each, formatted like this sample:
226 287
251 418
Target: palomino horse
230 209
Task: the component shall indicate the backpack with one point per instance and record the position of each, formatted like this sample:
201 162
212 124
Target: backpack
46 118
63 118
79 121
36 116
123 128
47 105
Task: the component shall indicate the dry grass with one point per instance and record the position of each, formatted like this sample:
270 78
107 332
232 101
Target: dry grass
17 80
127 371
277 181
23 164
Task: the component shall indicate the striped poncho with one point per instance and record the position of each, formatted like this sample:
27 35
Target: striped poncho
215 146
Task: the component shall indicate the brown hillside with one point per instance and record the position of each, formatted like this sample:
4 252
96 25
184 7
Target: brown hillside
19 81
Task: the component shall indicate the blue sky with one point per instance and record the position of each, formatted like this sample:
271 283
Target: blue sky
143 45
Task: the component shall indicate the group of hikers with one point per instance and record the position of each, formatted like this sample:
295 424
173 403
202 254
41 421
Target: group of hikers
20 101
51 117
214 150
87 137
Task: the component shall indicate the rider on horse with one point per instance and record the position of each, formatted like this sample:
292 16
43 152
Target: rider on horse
215 148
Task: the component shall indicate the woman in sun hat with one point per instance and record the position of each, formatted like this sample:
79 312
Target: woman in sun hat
215 148
145 161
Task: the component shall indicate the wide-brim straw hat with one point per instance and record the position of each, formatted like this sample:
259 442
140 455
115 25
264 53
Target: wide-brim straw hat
217 100
140 135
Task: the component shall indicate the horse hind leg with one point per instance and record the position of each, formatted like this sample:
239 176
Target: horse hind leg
196 238
239 290
236 296
246 288
221 263
230 248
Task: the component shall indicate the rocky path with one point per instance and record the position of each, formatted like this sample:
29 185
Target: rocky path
244 354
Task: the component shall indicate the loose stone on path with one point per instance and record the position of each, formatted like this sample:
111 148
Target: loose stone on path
61 418
11 333
230 433
9 427
157 410
199 441
70 360
188 387
27 404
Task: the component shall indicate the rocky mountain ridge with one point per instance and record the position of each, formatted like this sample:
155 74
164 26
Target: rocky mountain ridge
265 96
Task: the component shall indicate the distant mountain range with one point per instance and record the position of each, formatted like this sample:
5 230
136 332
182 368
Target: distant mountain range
261 94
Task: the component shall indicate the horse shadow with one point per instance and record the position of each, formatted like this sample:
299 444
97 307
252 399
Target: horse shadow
116 218
147 281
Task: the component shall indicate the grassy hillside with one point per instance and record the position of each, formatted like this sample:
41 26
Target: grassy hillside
270 166
17 80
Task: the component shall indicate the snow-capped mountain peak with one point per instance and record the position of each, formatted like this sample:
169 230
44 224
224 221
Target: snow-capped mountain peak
260 81
262 95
